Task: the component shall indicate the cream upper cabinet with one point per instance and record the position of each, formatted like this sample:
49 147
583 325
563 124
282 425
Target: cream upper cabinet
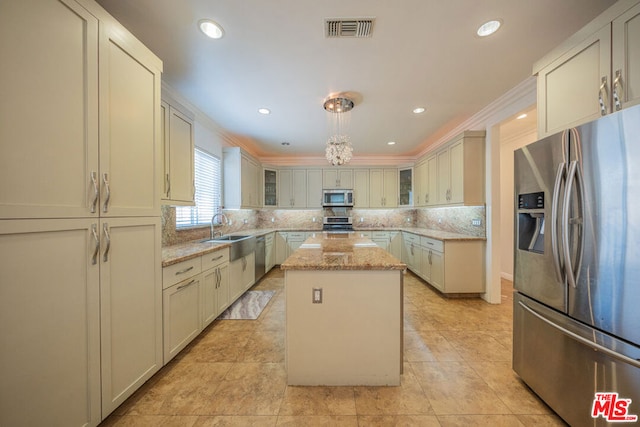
625 61
314 188
130 150
361 188
178 139
420 184
593 73
337 178
241 179
49 110
292 185
270 187
383 188
405 187
456 172
50 308
431 195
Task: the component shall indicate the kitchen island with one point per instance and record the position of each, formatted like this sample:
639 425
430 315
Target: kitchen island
343 312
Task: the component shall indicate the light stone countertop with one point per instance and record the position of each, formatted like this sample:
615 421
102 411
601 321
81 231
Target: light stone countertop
341 251
184 251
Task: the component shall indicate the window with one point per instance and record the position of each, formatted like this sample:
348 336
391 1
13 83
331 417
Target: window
208 201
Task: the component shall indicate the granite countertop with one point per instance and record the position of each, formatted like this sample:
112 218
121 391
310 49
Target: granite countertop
341 251
188 250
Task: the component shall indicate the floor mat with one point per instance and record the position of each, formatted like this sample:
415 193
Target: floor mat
248 306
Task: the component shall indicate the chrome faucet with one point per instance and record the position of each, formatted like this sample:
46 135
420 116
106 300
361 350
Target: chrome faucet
213 223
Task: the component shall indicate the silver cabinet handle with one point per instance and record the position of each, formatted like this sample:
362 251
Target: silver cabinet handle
186 284
244 263
168 185
430 254
617 90
217 258
105 230
412 249
582 340
184 271
96 192
105 180
96 239
603 99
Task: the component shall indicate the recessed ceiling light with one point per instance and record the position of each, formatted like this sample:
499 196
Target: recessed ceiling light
391 143
521 116
264 111
285 143
489 28
211 28
418 110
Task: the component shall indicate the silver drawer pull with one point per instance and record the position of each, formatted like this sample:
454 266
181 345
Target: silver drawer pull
185 285
217 258
184 271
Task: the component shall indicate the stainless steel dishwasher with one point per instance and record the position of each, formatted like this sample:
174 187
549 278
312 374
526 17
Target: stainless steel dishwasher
260 258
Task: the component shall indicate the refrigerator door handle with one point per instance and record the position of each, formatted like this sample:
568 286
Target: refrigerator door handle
574 174
595 346
557 263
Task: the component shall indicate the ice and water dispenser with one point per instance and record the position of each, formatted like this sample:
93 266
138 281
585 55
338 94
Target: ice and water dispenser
531 222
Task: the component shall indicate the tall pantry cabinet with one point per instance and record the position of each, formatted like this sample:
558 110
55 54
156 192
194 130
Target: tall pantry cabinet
80 256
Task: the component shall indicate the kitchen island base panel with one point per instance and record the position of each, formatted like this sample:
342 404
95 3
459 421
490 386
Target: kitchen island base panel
353 337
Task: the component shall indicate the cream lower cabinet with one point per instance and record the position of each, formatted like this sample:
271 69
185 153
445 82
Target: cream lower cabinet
282 250
451 266
241 275
50 309
215 285
181 313
130 306
269 251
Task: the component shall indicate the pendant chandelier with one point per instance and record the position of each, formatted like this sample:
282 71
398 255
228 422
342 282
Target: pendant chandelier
339 150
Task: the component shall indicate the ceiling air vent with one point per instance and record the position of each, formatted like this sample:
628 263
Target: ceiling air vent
348 27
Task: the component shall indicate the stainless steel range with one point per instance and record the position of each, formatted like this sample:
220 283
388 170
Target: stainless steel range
337 219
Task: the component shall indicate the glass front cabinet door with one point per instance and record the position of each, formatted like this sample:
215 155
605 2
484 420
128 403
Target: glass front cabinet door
406 187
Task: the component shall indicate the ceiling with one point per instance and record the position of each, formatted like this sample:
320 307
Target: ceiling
275 55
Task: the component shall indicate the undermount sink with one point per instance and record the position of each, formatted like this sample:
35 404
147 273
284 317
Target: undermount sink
241 245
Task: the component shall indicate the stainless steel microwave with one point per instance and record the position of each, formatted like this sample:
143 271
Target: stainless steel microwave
335 197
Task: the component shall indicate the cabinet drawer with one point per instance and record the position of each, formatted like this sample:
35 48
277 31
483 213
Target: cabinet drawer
178 272
214 259
297 236
411 238
380 234
436 245
366 234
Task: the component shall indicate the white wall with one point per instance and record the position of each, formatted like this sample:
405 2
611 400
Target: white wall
507 203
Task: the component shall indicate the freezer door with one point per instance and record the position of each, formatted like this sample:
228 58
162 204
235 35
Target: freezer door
538 260
566 362
606 294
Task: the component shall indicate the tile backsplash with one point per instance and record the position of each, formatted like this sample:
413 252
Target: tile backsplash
455 219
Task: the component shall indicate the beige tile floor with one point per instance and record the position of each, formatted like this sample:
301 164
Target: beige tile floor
457 372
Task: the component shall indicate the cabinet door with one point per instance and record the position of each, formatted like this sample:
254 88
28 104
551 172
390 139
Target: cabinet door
270 187
181 155
314 188
130 151
236 286
282 249
568 88
249 184
209 301
330 178
223 298
390 188
249 271
269 251
345 178
420 185
181 314
285 187
49 309
130 306
431 197
395 244
49 110
437 270
299 185
405 194
626 58
424 270
443 177
456 163
361 188
376 188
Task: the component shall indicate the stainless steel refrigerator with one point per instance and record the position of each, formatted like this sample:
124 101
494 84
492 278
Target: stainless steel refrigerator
576 320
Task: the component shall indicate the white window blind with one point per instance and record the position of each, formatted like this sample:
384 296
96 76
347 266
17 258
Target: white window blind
208 184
